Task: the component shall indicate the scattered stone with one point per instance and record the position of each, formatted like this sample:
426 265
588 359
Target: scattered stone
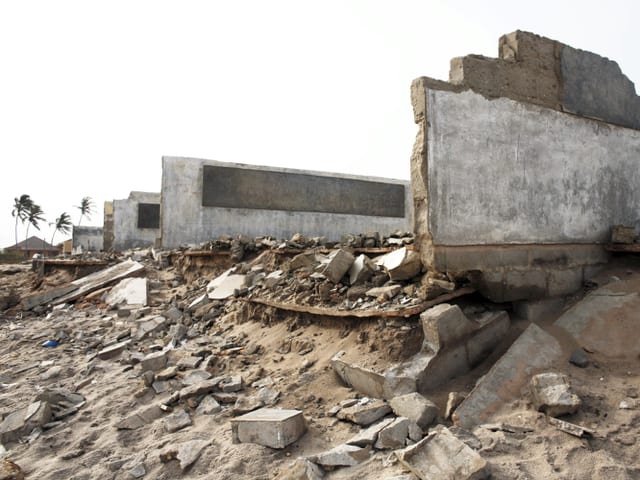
189 362
365 412
113 351
137 420
154 361
138 470
333 411
167 374
416 408
394 435
148 378
441 455
628 404
361 270
52 372
454 399
368 436
226 285
579 358
161 386
201 388
231 384
208 406
340 262
302 469
186 453
552 394
269 427
23 421
130 291
401 264
386 293
195 377
177 421
245 404
341 456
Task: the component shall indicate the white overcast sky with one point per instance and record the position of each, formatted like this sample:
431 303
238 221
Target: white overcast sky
93 93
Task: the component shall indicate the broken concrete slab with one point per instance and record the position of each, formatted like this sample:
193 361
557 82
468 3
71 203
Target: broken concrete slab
149 326
394 435
225 285
129 291
552 394
341 456
532 351
186 452
339 263
441 456
208 406
416 408
113 351
23 421
401 264
177 421
154 361
369 435
365 412
269 427
361 270
140 419
386 292
302 469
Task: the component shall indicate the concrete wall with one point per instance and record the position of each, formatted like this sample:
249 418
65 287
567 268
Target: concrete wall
90 239
126 219
107 226
286 197
518 190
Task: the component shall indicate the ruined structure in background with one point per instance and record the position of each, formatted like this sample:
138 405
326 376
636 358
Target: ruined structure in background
522 165
87 239
132 222
203 199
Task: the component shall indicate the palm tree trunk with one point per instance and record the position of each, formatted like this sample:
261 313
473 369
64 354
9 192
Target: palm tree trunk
16 230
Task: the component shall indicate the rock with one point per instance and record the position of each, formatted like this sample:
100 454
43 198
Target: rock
441 456
52 372
269 427
570 428
454 399
161 386
231 384
137 420
208 406
361 270
368 436
401 264
186 452
195 377
189 362
302 469
341 456
268 396
416 408
154 361
340 262
245 404
130 291
149 326
387 292
272 280
552 394
113 351
225 285
148 378
167 374
394 435
23 421
200 388
365 412
138 470
10 470
579 358
177 421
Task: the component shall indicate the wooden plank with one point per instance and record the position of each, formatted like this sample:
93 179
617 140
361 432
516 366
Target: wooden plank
332 312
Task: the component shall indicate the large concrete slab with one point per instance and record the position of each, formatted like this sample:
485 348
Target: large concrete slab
270 427
533 351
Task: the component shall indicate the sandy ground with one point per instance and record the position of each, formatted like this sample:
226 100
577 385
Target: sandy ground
292 353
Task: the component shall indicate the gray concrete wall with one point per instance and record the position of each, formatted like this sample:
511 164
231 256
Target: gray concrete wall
126 233
184 219
91 239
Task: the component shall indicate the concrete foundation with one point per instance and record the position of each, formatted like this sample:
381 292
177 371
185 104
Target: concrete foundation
133 222
203 199
518 190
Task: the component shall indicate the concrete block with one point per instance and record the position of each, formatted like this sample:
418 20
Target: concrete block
365 412
533 350
415 407
538 310
393 435
361 270
340 262
444 325
225 285
369 435
552 394
387 292
342 456
129 291
564 282
208 406
113 351
440 455
269 427
177 421
154 361
401 264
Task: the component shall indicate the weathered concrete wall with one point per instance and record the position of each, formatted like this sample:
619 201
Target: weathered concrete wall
203 199
136 220
107 226
538 70
519 190
91 239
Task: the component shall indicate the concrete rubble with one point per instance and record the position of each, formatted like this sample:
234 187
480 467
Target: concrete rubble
552 394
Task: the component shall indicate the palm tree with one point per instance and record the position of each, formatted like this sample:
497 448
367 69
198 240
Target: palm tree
86 208
63 225
20 208
34 216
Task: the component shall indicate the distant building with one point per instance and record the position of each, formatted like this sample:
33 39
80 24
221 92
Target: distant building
33 245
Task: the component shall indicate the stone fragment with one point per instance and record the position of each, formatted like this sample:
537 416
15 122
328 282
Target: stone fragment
552 394
341 456
453 400
10 470
196 376
199 388
369 435
208 406
137 420
154 361
401 264
306 260
129 291
149 326
23 421
138 470
272 280
415 407
231 384
225 285
386 292
365 412
167 374
189 362
361 270
50 373
570 428
186 452
339 263
245 404
441 456
579 358
113 351
160 386
302 469
177 421
394 435
269 427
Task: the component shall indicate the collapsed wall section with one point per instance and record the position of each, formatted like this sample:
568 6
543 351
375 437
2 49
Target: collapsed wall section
506 183
203 199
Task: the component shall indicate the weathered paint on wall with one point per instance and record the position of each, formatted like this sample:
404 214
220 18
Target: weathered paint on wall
126 233
184 219
91 239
